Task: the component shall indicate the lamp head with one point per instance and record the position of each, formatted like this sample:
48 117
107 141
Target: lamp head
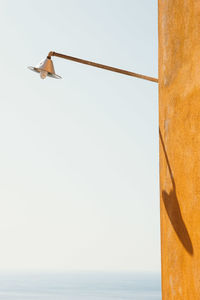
45 68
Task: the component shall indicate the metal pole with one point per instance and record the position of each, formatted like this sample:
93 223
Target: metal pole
97 65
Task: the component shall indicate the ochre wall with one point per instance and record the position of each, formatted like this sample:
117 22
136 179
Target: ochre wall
179 108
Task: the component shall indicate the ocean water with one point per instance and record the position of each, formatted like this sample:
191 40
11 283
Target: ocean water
80 286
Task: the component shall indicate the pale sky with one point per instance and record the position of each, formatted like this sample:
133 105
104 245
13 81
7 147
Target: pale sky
79 178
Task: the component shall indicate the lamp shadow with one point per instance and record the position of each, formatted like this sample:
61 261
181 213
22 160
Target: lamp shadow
173 209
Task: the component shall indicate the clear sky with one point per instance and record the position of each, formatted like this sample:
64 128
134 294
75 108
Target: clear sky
79 179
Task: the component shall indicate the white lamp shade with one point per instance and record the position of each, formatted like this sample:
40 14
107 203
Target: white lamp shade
47 66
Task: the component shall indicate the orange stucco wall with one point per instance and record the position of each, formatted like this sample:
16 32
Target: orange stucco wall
179 108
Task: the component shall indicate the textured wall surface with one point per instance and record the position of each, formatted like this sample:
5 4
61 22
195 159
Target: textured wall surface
179 105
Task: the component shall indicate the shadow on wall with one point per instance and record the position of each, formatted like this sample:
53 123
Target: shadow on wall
173 209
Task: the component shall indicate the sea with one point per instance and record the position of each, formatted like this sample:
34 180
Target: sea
80 286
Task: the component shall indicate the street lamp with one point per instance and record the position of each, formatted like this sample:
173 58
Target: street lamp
46 68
